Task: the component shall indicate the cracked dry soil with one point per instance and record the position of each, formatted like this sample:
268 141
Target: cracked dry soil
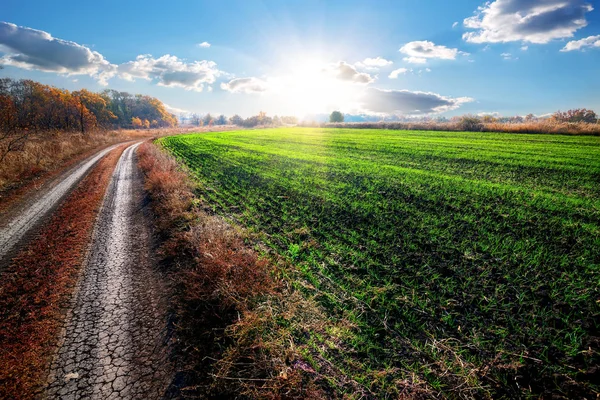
114 343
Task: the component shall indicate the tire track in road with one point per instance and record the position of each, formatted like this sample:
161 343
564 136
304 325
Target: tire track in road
114 341
14 229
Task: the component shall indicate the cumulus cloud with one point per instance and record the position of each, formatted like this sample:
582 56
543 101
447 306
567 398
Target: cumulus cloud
171 71
419 51
535 21
591 41
375 63
204 45
346 72
524 48
245 85
406 102
33 49
395 73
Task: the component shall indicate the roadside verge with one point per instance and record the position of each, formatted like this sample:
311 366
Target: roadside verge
237 317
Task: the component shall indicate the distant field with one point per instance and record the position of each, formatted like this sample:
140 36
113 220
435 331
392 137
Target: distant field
464 263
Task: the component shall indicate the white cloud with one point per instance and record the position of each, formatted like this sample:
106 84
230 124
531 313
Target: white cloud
204 45
591 41
395 73
494 114
245 85
171 71
415 60
524 48
175 110
346 72
33 49
454 25
377 62
535 21
506 56
406 102
419 51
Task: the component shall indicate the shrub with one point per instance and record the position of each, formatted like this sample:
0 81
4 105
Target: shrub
470 123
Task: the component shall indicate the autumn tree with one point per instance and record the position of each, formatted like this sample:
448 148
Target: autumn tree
576 115
136 122
93 110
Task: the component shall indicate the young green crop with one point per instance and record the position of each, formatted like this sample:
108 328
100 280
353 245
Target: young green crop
464 262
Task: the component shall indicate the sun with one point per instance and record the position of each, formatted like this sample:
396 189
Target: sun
308 86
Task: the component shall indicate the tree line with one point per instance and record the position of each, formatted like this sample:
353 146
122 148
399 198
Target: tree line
30 106
256 120
576 116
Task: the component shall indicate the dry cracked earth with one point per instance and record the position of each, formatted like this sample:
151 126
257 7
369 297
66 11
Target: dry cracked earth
114 342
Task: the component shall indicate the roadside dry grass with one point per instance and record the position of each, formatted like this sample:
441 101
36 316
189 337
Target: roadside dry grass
237 315
38 283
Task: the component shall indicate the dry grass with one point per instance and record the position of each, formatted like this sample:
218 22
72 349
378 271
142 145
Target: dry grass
39 281
544 126
44 153
48 151
236 315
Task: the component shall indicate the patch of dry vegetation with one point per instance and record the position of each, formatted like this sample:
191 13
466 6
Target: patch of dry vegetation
548 126
237 315
39 282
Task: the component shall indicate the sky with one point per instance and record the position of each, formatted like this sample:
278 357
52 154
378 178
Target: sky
303 57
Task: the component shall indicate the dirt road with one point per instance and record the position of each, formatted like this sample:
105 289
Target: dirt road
18 223
113 343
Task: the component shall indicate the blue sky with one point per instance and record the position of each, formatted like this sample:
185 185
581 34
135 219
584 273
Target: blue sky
300 57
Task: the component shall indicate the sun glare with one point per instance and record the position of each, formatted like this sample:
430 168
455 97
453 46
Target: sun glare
310 87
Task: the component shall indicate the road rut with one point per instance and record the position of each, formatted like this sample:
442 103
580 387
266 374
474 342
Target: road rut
114 344
14 228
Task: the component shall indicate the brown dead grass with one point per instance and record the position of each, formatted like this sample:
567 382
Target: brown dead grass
230 302
40 280
48 152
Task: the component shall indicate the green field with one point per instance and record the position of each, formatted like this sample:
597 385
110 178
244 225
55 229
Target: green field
463 264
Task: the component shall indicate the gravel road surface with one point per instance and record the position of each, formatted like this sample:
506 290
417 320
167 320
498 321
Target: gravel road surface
114 342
